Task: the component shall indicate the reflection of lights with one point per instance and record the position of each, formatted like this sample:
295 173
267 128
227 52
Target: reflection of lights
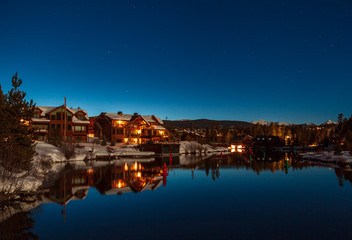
135 166
126 167
119 184
237 148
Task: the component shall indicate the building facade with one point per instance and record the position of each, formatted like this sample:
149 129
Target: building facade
129 128
51 120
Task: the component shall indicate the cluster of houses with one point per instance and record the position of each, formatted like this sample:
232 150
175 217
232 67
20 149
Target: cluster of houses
70 123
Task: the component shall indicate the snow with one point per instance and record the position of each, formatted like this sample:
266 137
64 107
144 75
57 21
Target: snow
55 154
328 157
187 147
158 127
122 117
328 122
76 120
267 123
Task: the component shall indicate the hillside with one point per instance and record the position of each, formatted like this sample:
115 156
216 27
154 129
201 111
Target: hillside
204 123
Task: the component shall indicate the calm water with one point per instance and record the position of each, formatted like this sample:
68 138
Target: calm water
235 196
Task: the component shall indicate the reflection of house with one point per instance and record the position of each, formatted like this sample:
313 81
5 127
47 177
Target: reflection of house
133 177
73 184
52 119
134 128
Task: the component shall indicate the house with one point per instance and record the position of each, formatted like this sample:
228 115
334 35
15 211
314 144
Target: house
244 141
52 120
268 142
131 128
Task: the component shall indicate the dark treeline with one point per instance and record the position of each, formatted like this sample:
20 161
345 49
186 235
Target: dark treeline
298 135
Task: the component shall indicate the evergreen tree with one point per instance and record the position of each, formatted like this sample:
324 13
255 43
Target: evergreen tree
16 142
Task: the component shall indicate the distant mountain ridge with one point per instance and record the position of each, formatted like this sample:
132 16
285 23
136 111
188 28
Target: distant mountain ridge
205 123
208 123
267 123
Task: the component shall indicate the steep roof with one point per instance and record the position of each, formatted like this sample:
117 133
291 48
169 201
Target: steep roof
46 109
122 117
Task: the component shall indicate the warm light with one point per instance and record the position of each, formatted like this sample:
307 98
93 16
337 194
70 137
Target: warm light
161 132
119 122
236 146
135 140
139 131
239 150
90 171
120 184
135 166
126 167
140 166
139 174
24 122
126 140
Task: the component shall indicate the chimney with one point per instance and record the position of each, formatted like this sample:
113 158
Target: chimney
135 114
119 113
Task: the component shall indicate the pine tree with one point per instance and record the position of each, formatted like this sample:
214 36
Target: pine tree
16 141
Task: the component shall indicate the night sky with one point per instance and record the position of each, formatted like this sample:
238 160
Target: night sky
245 60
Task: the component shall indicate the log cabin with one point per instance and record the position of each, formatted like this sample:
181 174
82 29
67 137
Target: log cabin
129 128
52 119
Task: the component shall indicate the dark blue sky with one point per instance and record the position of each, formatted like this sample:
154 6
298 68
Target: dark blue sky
228 60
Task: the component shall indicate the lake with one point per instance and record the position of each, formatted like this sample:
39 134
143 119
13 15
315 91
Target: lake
192 197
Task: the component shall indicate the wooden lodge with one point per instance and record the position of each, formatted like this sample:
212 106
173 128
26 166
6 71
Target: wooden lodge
129 128
51 120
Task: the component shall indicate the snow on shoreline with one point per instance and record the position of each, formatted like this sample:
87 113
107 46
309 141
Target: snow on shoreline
187 147
328 157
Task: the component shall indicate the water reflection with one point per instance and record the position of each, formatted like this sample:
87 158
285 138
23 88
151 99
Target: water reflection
18 226
73 181
121 177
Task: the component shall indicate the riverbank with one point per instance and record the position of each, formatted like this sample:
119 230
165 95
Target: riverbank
345 159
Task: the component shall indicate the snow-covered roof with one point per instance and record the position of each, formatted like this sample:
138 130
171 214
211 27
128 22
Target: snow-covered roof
46 110
40 120
148 118
158 127
159 120
76 120
128 117
122 117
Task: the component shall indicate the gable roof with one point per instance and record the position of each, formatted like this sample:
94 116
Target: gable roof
122 117
46 110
